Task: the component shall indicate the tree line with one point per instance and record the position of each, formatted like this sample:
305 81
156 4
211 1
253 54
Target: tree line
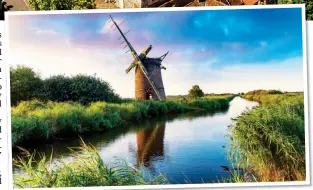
62 4
91 4
27 85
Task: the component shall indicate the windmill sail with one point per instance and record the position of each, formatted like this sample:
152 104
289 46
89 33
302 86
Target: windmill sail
131 66
136 57
142 56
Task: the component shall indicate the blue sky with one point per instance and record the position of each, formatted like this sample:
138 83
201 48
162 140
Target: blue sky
213 48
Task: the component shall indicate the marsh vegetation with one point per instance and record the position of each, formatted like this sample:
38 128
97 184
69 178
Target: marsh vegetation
270 139
267 141
86 169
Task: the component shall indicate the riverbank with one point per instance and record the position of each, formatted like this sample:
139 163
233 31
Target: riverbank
32 120
271 137
84 170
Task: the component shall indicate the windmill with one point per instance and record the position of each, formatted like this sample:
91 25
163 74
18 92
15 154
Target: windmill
148 78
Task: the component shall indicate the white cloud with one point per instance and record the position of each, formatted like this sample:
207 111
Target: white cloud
109 27
49 55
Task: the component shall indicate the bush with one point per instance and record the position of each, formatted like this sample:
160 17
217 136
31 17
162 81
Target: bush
25 84
80 88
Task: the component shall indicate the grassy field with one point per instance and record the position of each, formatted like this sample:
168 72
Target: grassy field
84 170
32 120
270 139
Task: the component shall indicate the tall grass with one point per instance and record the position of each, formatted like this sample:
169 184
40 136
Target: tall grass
274 98
38 120
271 137
85 169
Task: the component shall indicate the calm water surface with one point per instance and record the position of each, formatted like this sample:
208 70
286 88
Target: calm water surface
189 148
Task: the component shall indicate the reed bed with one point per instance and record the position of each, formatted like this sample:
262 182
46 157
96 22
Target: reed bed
275 98
271 138
33 120
85 169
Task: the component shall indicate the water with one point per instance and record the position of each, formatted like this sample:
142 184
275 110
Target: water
189 148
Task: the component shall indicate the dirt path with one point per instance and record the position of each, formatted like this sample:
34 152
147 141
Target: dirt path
18 5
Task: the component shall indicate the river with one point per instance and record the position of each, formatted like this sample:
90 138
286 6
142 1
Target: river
189 148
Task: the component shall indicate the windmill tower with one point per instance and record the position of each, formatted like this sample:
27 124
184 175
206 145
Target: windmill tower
148 77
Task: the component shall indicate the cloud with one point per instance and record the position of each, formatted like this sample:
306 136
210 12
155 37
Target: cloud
108 26
181 74
217 63
286 75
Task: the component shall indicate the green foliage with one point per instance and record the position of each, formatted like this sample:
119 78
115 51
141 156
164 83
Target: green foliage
272 137
308 6
25 84
195 92
62 4
39 120
218 103
264 92
80 88
274 98
84 170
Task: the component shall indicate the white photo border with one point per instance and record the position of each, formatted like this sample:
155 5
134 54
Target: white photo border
171 186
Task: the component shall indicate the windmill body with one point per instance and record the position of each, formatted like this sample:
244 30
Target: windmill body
143 89
148 77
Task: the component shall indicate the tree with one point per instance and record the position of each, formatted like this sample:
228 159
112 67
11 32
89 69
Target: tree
195 92
308 6
25 84
62 4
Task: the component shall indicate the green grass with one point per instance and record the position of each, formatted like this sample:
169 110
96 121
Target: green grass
275 98
33 120
84 170
271 137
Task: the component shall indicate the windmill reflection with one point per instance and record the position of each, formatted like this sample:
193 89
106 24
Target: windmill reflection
150 145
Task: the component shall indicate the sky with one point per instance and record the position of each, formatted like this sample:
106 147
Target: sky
222 51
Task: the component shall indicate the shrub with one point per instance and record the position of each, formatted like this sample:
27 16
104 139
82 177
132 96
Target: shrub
25 84
80 88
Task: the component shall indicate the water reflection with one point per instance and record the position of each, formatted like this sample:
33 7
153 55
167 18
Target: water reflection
150 145
186 146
